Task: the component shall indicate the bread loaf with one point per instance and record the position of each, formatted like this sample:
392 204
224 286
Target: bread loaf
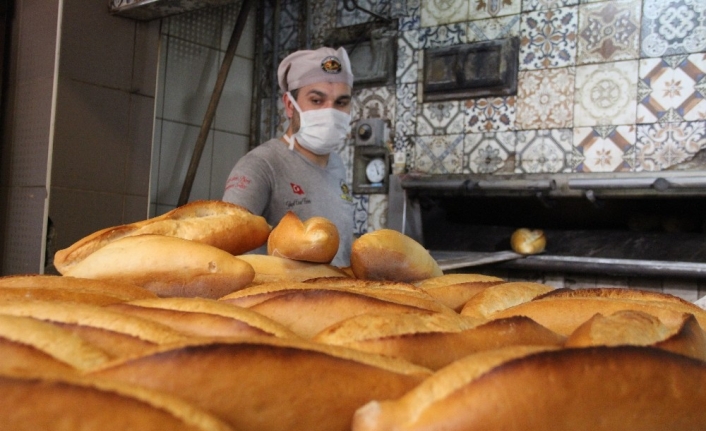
386 254
269 269
314 240
167 266
454 290
223 225
502 296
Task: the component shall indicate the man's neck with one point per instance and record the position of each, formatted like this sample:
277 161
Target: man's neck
314 158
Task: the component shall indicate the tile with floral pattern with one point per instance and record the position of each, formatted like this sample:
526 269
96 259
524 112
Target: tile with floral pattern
440 118
440 12
493 28
323 21
411 20
606 94
609 31
490 114
530 5
482 9
403 152
672 89
438 154
407 57
360 214
487 153
352 16
548 38
442 36
377 102
377 212
543 151
545 99
661 146
673 27
406 110
604 148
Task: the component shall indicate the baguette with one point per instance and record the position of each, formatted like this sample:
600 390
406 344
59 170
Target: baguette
314 240
501 296
270 269
454 290
167 266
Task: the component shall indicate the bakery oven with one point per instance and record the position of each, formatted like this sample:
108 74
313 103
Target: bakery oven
641 225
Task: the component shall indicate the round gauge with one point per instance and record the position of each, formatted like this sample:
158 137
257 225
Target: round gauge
375 170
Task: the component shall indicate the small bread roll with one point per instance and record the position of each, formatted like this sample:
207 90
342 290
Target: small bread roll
527 241
386 254
314 240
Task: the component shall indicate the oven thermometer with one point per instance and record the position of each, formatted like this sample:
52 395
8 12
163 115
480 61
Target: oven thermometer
375 170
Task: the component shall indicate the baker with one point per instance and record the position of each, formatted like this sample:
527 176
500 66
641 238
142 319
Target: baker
301 170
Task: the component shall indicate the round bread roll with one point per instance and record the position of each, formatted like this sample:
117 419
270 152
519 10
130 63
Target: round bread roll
314 240
528 241
386 254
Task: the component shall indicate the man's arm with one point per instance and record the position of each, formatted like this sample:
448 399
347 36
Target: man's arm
249 184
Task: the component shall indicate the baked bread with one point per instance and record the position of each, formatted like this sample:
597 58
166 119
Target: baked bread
624 388
223 225
501 296
271 384
528 241
454 290
67 403
314 240
436 340
203 317
386 254
167 266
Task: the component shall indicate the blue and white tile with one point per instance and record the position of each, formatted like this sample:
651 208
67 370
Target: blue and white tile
442 36
377 212
662 146
406 110
360 214
486 153
493 28
532 5
673 27
490 114
377 102
482 9
346 17
440 12
323 22
412 20
407 57
440 118
548 38
605 148
543 151
438 154
403 153
609 31
606 94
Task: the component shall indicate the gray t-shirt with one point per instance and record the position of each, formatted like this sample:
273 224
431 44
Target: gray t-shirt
272 179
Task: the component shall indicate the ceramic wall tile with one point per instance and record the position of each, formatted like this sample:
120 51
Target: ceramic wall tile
323 22
661 146
406 110
545 99
360 214
442 36
490 114
377 212
378 102
531 5
407 57
202 26
548 38
673 27
267 116
604 149
346 153
609 31
438 154
440 12
289 13
412 19
672 89
403 153
481 9
347 16
440 118
543 151
246 44
493 28
487 153
606 94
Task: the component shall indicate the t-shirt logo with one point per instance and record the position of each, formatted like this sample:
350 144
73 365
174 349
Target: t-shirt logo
238 182
297 189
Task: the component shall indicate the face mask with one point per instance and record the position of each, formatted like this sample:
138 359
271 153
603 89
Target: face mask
320 130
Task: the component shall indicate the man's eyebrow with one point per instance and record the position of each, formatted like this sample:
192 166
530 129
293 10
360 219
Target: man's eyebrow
343 98
316 93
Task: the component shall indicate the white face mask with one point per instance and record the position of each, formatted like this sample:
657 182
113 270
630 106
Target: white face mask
320 130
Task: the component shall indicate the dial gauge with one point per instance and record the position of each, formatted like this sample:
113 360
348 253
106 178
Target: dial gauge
375 170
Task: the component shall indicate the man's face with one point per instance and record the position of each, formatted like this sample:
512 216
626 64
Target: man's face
318 96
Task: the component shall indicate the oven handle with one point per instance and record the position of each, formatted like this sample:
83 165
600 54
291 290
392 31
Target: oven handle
657 183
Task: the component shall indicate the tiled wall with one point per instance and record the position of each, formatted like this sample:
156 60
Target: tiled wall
192 48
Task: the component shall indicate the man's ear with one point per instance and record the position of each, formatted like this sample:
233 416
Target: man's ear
288 107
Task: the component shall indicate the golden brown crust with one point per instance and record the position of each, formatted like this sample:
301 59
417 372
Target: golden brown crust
617 293
314 240
386 254
270 269
74 287
502 296
223 225
622 327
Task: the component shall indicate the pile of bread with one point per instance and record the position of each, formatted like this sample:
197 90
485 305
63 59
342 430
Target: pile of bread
167 324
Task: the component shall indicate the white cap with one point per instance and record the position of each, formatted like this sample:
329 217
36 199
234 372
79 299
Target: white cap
308 67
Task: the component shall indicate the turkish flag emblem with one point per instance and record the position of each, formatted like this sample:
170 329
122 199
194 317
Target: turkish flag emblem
297 189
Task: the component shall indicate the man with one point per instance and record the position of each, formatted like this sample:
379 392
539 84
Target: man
300 171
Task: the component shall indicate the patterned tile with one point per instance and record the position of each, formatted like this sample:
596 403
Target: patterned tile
673 27
661 146
378 102
609 31
438 154
548 38
346 17
485 153
604 149
530 5
289 13
289 38
406 110
672 89
266 119
493 114
545 99
481 9
360 214
440 118
412 20
606 94
323 22
440 12
543 151
403 153
493 28
377 212
442 36
407 57
346 152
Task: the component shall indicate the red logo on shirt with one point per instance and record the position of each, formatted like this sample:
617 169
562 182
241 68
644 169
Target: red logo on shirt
238 182
297 189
